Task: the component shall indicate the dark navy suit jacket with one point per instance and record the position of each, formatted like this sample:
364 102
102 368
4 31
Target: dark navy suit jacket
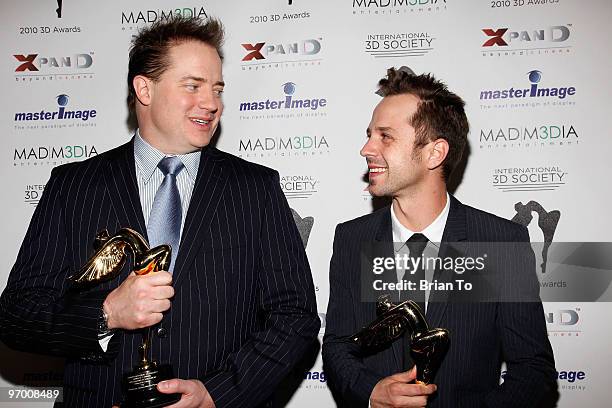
483 334
244 308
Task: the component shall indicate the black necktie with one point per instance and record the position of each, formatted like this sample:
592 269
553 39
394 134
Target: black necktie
416 244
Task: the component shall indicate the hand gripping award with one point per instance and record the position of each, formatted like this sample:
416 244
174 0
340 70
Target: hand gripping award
427 346
139 385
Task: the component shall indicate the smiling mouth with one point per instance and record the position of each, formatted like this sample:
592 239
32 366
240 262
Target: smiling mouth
200 121
377 170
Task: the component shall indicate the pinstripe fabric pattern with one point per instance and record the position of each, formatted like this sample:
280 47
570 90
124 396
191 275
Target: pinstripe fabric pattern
482 334
244 308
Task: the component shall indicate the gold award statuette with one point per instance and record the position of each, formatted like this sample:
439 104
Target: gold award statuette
427 346
139 385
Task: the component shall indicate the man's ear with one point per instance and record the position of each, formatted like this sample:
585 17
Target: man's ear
437 153
143 89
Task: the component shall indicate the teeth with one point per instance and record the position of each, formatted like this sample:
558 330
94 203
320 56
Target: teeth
200 121
378 170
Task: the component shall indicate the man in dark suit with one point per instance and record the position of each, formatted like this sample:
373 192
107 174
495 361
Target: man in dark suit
415 138
237 306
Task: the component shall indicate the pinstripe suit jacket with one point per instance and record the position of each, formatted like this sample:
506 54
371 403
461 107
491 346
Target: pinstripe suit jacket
482 334
244 308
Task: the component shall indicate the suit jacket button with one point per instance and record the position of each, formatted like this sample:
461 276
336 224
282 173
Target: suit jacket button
162 332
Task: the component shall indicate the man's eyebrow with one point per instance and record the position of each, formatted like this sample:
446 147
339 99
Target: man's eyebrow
200 79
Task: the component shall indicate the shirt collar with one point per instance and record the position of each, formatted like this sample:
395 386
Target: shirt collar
433 231
147 158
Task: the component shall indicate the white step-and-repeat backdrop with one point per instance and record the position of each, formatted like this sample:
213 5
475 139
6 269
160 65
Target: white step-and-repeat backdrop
541 156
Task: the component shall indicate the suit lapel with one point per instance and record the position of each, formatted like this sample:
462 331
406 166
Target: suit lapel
454 231
121 184
210 182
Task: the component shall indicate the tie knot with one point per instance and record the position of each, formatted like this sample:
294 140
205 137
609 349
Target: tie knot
170 165
417 243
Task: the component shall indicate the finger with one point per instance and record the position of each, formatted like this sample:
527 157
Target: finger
175 386
162 292
411 390
416 402
159 278
161 305
405 376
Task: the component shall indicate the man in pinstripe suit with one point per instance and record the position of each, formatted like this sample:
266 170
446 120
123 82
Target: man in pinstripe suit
238 309
415 138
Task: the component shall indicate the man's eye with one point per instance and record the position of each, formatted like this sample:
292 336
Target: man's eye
191 87
218 92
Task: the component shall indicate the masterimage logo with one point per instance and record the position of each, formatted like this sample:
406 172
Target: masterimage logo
523 137
36 67
572 380
506 41
520 179
292 106
51 155
60 116
265 55
304 226
394 45
396 7
530 96
134 19
299 186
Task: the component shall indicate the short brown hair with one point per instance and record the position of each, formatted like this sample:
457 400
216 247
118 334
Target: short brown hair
439 115
150 48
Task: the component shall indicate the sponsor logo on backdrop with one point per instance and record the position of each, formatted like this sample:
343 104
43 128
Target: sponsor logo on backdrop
551 40
537 93
32 194
522 3
283 146
134 19
304 226
277 17
276 54
523 137
539 178
60 116
292 104
396 7
40 67
563 322
299 186
399 44
572 380
567 379
56 9
51 155
547 222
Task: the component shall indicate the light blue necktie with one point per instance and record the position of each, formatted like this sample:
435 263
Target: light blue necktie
166 214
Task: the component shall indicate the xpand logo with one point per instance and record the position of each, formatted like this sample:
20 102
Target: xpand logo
563 322
397 7
35 66
541 40
61 114
534 92
274 54
289 106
